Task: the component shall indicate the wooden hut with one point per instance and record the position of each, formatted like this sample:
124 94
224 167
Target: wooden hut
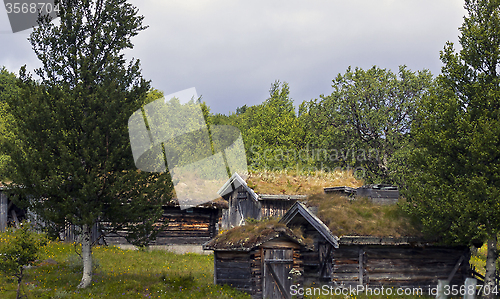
261 259
192 226
244 203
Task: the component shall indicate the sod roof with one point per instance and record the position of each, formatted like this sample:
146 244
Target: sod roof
345 216
252 235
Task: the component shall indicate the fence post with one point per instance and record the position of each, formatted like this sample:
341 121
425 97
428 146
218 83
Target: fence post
470 283
441 288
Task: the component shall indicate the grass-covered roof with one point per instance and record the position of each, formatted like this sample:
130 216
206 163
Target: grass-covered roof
348 217
293 183
251 235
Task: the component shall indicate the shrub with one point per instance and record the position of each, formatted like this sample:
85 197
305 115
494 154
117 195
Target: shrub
19 248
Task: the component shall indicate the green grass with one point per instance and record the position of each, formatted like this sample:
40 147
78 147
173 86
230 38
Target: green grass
121 274
128 274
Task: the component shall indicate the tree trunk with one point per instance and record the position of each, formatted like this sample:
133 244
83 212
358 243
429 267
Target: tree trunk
19 280
489 278
87 257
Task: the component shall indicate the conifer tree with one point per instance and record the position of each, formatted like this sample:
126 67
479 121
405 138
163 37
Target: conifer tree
72 154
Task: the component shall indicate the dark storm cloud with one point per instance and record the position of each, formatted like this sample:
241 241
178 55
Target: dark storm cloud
232 51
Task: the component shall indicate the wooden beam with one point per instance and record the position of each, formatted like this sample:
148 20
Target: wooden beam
326 258
457 265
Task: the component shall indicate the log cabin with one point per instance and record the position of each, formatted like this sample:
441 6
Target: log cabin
192 226
348 260
244 203
262 259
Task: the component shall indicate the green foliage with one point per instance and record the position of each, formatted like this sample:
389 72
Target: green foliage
241 110
8 90
363 126
72 146
366 121
18 249
455 184
272 132
153 95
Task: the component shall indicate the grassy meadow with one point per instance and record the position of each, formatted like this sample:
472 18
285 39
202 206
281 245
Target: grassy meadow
120 274
127 274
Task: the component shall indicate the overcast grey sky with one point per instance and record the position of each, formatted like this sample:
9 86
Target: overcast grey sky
232 51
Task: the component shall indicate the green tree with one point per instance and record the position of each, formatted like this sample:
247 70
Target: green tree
272 132
365 122
19 248
153 95
72 152
8 89
455 183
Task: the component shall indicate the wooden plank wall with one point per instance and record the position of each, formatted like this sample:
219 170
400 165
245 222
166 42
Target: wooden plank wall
234 268
275 208
191 226
71 234
311 259
242 206
397 265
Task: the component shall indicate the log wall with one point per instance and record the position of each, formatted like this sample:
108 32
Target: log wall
244 270
398 265
235 268
190 226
